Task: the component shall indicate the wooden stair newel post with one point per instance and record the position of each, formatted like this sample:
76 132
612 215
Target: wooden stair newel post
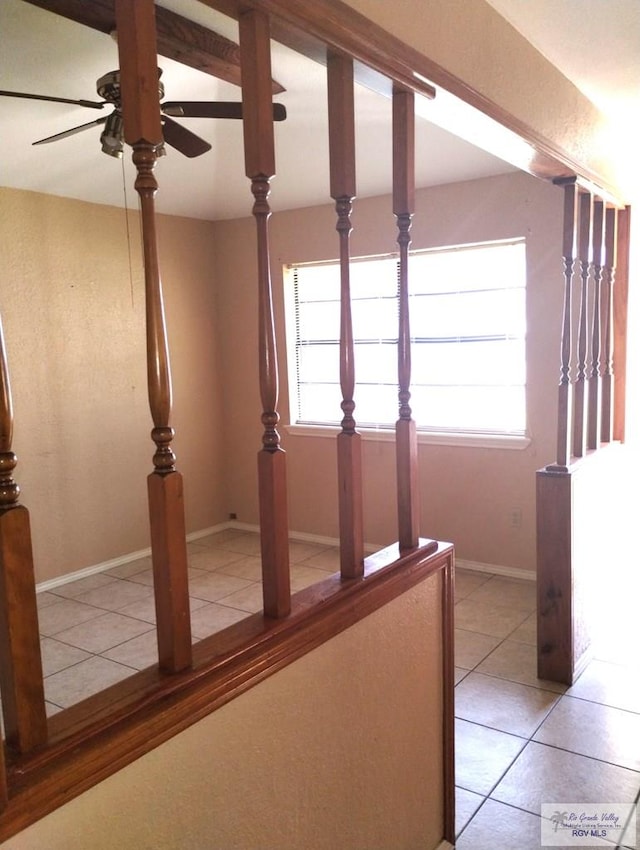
594 427
608 280
585 258
25 721
259 151
143 131
565 399
342 158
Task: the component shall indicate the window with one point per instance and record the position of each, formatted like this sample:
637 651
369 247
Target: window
468 317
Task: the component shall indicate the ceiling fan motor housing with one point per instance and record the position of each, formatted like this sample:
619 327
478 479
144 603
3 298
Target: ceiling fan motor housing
108 87
112 137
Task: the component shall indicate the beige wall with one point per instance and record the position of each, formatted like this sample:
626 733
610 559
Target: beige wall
341 749
467 493
74 327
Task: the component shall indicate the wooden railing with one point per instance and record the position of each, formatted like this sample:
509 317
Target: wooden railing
143 131
44 763
586 391
590 418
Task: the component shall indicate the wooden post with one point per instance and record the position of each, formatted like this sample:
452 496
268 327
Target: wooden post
594 425
565 399
259 156
585 257
25 721
143 131
620 322
610 250
403 208
342 158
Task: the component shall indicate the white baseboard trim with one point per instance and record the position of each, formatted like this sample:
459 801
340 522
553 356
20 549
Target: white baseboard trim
302 536
496 569
103 566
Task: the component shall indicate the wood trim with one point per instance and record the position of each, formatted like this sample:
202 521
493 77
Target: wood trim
308 27
564 645
407 484
448 703
342 181
104 733
178 38
25 723
565 395
259 156
554 562
620 312
585 231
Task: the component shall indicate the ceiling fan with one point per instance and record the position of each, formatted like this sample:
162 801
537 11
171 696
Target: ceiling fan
175 135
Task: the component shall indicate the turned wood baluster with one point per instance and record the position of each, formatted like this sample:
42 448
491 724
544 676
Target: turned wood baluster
610 250
342 157
260 168
403 208
594 427
580 391
25 721
565 399
143 131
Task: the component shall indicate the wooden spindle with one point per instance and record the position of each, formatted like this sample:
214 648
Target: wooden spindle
143 131
403 208
25 721
609 272
4 790
565 399
259 156
580 389
342 158
620 262
594 426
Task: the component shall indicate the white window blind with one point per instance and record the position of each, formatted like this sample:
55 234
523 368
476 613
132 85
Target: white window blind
468 320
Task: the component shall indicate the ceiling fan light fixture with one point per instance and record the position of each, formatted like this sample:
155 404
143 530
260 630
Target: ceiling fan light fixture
112 137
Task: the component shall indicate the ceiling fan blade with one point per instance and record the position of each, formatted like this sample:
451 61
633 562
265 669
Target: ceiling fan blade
182 139
70 132
91 104
213 109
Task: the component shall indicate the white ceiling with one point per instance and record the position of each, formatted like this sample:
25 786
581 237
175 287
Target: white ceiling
44 54
595 43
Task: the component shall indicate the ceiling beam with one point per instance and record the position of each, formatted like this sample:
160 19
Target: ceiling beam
178 38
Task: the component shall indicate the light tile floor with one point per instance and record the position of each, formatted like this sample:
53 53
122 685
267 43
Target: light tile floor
520 741
98 630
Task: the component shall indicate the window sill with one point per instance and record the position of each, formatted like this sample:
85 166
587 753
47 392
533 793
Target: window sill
427 438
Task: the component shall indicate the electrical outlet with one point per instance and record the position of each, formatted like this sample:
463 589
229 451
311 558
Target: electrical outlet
515 517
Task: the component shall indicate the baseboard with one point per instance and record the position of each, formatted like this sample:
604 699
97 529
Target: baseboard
103 566
496 569
302 536
444 845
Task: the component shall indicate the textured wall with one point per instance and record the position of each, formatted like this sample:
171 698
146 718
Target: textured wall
342 749
73 313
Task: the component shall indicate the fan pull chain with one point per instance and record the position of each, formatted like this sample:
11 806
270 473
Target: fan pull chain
126 219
